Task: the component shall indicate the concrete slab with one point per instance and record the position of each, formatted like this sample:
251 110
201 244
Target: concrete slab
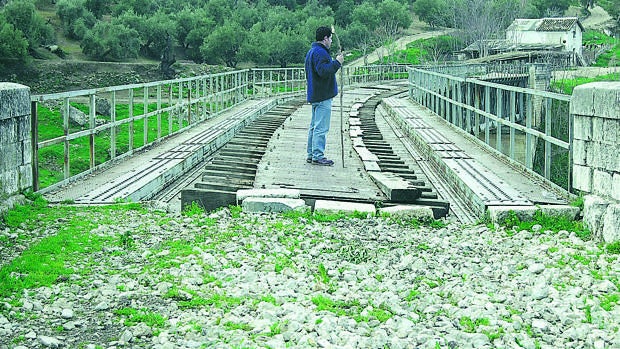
273 205
372 166
498 214
421 213
396 188
331 207
267 193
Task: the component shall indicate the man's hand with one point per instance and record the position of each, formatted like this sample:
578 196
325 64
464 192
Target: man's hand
340 58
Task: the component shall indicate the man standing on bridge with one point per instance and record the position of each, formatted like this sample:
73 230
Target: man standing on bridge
322 88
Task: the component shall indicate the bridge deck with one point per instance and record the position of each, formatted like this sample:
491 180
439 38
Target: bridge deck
284 165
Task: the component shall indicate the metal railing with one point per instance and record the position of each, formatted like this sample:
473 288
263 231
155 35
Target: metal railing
118 121
532 127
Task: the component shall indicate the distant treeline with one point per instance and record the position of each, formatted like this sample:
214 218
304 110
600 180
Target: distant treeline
265 32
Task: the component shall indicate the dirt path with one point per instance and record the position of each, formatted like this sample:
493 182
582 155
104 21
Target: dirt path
597 20
401 44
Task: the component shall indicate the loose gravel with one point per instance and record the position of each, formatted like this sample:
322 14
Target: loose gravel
265 281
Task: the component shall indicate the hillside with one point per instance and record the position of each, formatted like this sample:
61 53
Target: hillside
72 70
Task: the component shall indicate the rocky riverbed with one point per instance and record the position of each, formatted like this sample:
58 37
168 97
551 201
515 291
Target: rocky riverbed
150 279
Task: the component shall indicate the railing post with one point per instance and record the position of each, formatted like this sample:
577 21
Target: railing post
113 129
34 145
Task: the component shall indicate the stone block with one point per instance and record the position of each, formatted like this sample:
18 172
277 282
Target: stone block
580 150
582 128
14 100
24 179
601 182
8 131
242 194
499 214
600 99
421 213
273 205
11 156
610 131
26 154
8 183
331 207
566 211
23 128
603 156
611 224
582 178
594 208
615 186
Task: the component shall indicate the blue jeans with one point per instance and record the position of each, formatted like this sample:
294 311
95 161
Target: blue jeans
319 126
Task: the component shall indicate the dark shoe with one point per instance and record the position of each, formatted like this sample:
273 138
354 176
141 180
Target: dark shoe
323 162
309 160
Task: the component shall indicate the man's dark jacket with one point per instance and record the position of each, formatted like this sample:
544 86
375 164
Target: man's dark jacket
321 74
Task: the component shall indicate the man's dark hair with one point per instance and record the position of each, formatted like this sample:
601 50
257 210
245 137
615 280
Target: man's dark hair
322 32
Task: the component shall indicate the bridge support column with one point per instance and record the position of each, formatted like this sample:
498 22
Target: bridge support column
15 144
596 155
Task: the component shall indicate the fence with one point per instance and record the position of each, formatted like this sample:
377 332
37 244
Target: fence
530 126
77 132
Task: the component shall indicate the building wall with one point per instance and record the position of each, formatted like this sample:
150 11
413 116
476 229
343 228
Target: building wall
571 42
596 155
15 140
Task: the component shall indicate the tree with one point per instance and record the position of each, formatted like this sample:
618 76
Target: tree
24 18
367 14
255 47
223 44
342 15
287 48
393 17
111 42
13 44
155 34
75 17
219 11
193 26
479 21
432 12
97 7
357 35
551 8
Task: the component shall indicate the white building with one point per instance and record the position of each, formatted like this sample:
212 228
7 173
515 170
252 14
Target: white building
555 33
535 40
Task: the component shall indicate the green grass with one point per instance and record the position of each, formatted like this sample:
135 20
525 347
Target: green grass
134 316
469 325
551 223
45 260
609 58
351 309
567 86
425 51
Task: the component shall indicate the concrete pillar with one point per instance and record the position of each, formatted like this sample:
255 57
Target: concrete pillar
596 155
15 142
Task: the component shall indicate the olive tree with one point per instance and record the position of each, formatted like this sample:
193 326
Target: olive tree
25 19
14 45
111 42
223 44
75 17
